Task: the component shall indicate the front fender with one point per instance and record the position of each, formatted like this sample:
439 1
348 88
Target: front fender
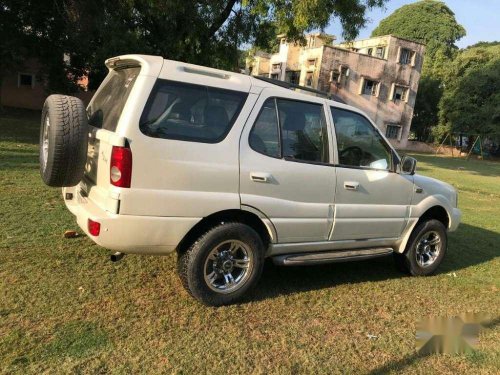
418 210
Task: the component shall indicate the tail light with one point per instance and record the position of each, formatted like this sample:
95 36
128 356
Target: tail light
120 173
94 227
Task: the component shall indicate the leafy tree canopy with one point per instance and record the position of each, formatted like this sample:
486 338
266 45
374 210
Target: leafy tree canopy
425 114
429 22
472 91
201 32
434 24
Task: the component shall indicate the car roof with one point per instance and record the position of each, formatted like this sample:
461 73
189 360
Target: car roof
157 65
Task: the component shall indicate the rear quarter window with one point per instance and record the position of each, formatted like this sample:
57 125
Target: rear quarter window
188 112
107 105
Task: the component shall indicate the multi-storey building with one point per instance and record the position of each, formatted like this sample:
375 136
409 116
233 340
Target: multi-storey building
378 75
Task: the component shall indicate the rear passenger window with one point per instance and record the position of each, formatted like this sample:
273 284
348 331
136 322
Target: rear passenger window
291 129
304 133
264 136
190 112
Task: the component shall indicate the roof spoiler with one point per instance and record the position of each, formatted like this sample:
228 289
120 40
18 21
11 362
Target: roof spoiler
150 65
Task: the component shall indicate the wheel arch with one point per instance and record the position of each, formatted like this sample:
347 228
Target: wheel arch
436 211
248 216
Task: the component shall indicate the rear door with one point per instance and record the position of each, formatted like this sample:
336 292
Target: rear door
104 112
286 169
371 201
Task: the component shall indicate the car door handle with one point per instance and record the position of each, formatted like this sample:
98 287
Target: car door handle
351 185
260 177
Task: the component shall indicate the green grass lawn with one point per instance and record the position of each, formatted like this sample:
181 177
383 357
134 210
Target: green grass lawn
64 307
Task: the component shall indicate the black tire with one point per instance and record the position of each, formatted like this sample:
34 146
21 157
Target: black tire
193 264
63 141
407 261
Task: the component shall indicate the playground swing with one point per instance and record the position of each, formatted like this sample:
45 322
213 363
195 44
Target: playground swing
449 136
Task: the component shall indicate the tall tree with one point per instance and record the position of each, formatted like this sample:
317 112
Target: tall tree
203 32
471 100
428 21
434 24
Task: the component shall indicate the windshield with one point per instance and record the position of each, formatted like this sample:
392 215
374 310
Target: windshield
107 105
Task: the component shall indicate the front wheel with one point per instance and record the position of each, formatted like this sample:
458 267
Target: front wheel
223 264
425 249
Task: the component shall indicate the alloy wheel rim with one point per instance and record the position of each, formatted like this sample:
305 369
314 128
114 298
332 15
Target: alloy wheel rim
45 142
428 249
228 266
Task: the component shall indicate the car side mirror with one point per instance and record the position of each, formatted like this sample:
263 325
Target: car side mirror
408 165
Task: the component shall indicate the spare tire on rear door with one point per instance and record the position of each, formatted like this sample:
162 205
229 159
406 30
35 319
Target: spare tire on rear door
63 141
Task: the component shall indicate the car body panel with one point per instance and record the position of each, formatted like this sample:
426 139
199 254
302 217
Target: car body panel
298 197
175 184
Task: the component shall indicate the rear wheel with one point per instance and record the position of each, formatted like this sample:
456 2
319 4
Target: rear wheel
223 264
425 250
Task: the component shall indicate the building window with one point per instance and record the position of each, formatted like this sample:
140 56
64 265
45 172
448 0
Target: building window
344 71
309 79
370 51
369 87
311 63
335 76
283 41
276 66
293 76
275 76
312 41
379 52
400 93
392 131
406 56
25 80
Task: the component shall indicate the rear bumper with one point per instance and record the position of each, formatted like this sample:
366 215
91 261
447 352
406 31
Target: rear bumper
456 215
127 233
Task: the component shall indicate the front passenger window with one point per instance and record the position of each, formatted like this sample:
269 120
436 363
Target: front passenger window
358 143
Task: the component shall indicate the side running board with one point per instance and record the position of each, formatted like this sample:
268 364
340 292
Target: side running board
304 259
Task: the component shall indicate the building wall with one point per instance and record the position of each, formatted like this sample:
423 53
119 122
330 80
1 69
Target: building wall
363 45
361 66
15 94
304 66
389 73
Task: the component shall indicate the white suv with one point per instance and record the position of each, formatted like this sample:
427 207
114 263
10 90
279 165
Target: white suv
227 170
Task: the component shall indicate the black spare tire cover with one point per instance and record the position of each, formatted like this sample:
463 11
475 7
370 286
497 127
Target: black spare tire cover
63 141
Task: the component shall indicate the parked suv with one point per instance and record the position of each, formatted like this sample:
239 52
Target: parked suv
226 170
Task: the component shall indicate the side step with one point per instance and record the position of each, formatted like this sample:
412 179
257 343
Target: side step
304 259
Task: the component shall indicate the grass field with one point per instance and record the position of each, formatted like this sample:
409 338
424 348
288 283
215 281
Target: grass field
64 307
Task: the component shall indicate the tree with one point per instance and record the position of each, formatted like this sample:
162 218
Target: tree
470 103
207 33
425 114
17 39
434 24
430 22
